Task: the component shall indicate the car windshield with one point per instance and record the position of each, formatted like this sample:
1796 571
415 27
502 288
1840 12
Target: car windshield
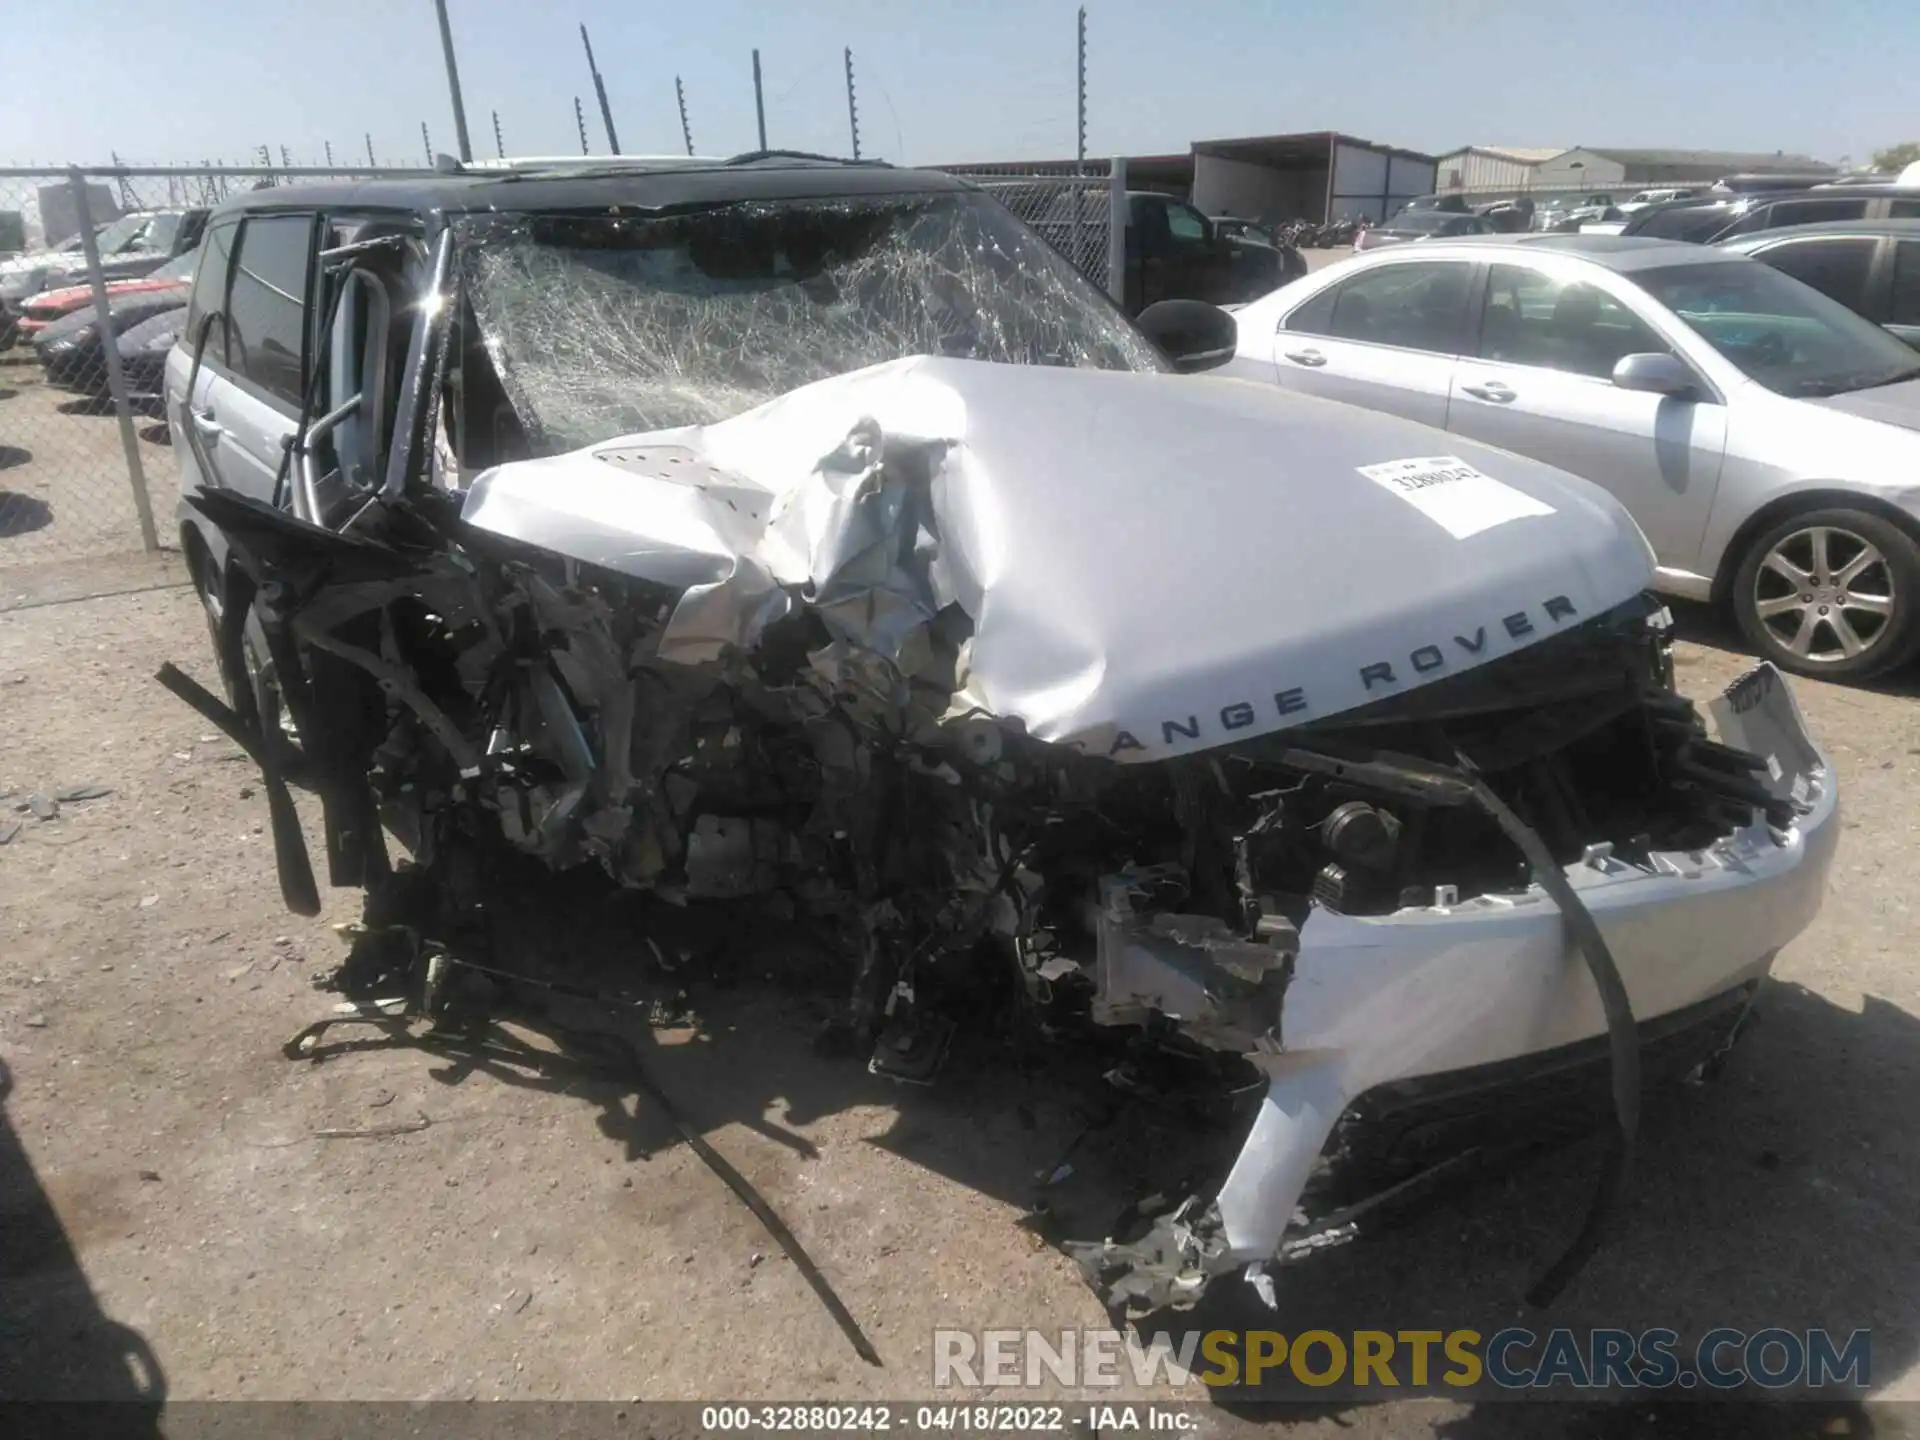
605 325
1786 335
129 232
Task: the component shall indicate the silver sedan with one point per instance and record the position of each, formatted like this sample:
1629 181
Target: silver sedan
1766 439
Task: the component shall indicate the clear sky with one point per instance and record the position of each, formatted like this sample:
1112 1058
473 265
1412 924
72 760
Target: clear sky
953 80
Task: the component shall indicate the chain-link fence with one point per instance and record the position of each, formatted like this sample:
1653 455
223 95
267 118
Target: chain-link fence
86 465
1081 213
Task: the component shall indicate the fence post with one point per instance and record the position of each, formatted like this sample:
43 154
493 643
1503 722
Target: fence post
1117 231
116 380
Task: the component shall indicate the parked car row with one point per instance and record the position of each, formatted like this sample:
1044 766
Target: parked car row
1173 251
133 245
69 338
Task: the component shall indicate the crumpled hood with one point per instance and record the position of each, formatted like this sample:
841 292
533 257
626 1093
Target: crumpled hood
1889 404
1153 564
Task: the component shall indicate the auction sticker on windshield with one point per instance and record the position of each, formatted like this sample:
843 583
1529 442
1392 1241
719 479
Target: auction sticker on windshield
1451 492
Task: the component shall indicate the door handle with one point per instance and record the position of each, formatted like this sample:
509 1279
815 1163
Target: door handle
1493 390
1311 358
203 421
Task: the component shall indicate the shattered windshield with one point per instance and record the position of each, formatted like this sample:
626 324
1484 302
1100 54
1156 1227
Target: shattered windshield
606 325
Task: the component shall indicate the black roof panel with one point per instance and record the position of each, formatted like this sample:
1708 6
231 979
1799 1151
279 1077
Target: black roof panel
628 186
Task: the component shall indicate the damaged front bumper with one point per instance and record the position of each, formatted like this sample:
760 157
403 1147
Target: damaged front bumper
1449 992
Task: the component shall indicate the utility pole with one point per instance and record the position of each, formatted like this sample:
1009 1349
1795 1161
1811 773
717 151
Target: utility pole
453 83
686 130
1080 92
759 101
371 162
126 194
286 160
499 145
426 143
853 110
1080 122
600 90
580 120
329 145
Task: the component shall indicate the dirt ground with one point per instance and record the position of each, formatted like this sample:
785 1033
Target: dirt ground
173 1213
64 490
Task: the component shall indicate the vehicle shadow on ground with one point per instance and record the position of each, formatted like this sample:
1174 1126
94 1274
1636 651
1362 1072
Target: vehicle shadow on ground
155 433
1703 624
87 405
22 514
1777 1195
56 1343
12 455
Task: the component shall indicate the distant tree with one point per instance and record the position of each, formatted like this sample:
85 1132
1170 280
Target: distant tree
1897 157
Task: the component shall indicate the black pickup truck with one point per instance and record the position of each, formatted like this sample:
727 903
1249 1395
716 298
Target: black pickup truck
1173 251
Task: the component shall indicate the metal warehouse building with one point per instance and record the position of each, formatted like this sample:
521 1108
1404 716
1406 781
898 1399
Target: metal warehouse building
1316 175
1493 169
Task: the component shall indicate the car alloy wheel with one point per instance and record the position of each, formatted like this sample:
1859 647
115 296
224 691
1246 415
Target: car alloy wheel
1826 594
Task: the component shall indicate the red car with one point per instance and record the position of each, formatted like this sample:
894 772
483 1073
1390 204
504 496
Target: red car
50 305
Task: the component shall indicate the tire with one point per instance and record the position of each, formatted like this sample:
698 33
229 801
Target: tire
1832 594
251 667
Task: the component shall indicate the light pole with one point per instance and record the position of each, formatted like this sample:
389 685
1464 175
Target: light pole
453 81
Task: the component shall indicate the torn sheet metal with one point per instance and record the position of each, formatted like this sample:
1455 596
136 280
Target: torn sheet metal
1455 990
1147 561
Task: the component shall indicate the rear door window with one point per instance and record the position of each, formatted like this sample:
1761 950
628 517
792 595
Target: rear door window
1316 316
267 305
1837 268
210 290
1413 306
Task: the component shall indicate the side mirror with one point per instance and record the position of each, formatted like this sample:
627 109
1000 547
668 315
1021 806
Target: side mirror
1655 374
1193 334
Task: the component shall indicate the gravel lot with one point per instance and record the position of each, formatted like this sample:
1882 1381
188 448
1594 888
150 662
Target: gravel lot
163 1190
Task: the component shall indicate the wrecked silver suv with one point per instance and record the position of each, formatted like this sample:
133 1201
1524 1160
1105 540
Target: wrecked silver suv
812 542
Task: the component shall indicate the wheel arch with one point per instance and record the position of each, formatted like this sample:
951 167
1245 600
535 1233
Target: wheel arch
1776 510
